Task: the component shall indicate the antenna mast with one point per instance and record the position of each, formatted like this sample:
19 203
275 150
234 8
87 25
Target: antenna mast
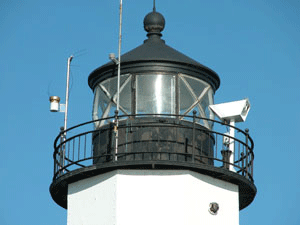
119 55
67 91
118 88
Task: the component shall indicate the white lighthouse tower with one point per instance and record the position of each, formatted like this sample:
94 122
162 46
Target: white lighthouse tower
161 158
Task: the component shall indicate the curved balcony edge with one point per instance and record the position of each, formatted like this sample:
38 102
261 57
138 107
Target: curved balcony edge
59 187
153 141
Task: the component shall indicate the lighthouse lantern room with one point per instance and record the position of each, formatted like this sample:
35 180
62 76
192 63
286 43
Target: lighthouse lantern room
155 155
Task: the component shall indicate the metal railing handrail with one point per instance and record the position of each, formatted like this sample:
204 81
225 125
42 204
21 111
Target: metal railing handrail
244 163
139 115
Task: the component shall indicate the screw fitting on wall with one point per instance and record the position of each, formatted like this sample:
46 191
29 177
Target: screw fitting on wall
213 208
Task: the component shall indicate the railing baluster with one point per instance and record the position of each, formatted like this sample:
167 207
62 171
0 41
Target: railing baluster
84 146
68 149
73 149
92 148
55 164
247 153
239 150
99 145
62 146
186 148
252 162
194 124
216 144
243 168
201 147
79 148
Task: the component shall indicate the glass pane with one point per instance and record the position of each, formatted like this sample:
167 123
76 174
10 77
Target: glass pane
125 96
100 103
106 97
155 94
95 114
186 99
205 102
196 85
111 84
198 114
196 95
211 102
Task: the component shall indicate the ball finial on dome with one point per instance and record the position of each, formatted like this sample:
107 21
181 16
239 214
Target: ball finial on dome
154 23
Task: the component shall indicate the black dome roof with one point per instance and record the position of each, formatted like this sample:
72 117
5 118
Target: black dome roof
154 55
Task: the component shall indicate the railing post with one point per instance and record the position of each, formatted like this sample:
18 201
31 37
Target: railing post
62 149
243 169
116 124
55 164
252 161
194 124
247 151
186 149
251 156
226 158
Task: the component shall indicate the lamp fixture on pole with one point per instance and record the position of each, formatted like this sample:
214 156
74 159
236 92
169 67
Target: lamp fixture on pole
54 100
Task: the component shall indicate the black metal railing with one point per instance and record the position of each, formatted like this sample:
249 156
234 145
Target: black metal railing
153 137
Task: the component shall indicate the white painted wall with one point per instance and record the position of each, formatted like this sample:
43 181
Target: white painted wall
136 197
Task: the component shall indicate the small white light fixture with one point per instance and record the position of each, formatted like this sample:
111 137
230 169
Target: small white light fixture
54 103
236 111
112 57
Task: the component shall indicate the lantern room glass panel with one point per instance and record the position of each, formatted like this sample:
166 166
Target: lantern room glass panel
105 98
155 94
195 95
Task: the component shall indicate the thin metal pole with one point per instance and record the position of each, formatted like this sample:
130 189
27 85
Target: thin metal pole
118 88
231 144
119 55
116 134
64 135
67 92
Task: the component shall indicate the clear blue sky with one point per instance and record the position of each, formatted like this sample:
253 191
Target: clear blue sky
254 46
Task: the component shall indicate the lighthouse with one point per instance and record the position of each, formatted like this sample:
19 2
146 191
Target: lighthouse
154 152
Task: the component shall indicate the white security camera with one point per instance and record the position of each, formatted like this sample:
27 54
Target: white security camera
236 111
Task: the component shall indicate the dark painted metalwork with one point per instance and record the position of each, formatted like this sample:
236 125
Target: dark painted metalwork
226 155
152 142
154 138
155 56
213 208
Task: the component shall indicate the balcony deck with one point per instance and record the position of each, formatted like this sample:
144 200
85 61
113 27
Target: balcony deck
152 142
